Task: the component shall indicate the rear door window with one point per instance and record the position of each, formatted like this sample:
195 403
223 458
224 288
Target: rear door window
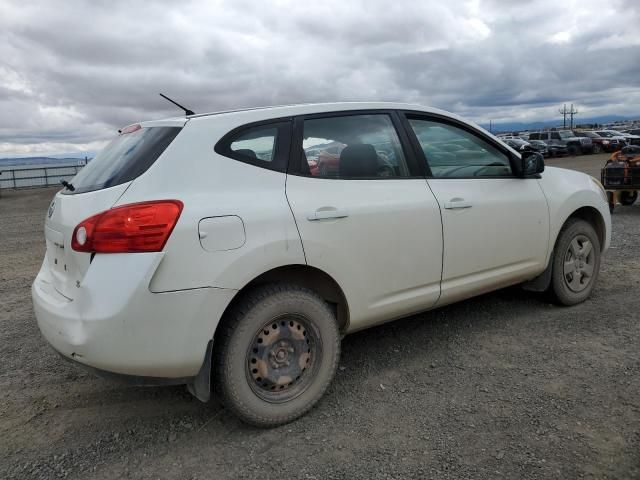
352 147
127 157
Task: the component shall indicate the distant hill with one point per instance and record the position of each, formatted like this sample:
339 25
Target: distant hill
520 126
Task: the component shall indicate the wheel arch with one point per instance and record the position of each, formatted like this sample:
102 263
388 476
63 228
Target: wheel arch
306 276
594 217
589 214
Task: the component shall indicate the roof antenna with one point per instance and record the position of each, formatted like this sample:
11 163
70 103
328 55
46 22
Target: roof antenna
187 112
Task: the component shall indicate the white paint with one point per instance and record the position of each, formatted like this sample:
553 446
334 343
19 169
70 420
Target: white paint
152 314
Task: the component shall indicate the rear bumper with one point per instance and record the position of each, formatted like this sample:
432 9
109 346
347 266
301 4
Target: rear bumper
115 324
132 380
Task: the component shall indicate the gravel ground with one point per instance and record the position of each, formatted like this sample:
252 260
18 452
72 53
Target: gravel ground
500 386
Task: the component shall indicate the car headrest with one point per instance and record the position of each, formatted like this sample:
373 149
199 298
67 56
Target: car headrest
358 161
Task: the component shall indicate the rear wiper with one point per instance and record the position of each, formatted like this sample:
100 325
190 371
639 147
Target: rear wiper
67 185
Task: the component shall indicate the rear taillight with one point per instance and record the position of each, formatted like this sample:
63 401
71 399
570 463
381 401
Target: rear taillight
137 227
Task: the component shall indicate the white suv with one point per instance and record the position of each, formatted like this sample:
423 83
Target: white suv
213 251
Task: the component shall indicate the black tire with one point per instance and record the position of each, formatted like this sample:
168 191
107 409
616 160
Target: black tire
597 148
274 310
628 198
573 150
575 286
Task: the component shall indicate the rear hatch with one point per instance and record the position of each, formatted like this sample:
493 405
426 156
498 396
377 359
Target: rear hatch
96 188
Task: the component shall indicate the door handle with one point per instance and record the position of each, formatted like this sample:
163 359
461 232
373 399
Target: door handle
456 203
327 214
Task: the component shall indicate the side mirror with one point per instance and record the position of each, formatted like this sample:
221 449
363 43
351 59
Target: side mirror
530 163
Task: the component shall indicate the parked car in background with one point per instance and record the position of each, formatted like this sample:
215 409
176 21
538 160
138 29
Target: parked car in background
541 147
560 141
633 131
205 251
615 138
600 144
517 143
629 138
509 137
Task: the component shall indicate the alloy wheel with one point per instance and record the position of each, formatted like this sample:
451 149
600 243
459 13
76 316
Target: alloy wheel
579 263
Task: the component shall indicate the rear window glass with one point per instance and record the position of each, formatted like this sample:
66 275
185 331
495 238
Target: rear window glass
127 157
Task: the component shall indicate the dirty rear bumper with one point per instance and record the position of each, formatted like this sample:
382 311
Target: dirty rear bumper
132 380
115 325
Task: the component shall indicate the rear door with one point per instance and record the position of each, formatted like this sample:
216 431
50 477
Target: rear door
96 188
364 214
495 225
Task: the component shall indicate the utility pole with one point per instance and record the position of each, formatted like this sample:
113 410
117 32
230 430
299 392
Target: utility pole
571 112
564 112
490 129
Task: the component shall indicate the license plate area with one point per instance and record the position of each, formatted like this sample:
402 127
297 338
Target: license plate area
58 264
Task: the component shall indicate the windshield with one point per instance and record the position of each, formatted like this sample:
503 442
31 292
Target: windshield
565 134
127 156
605 134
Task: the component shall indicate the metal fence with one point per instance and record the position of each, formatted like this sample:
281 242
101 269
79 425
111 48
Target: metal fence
36 177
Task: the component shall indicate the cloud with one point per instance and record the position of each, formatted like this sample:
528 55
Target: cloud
72 73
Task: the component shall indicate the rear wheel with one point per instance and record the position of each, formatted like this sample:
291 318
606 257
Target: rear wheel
576 262
597 148
276 355
628 198
573 150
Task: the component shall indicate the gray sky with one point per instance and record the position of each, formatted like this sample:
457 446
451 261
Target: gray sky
73 72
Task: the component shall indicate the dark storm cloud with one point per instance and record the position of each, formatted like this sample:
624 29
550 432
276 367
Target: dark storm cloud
71 73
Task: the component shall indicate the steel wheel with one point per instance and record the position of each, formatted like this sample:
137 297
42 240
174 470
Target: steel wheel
579 263
277 351
281 359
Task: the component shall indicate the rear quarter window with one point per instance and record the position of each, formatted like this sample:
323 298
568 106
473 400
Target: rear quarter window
127 157
264 145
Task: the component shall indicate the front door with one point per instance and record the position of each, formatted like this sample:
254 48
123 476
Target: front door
495 225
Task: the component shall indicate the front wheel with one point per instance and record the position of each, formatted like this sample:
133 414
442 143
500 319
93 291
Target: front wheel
277 353
628 198
576 262
597 148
